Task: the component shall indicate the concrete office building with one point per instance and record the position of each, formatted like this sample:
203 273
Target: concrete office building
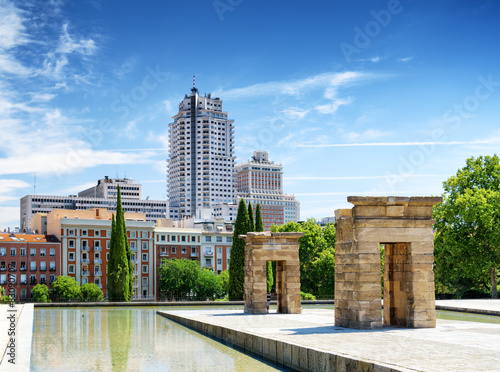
201 161
261 181
103 195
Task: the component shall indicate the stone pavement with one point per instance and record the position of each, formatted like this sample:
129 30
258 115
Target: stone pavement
23 335
451 346
491 307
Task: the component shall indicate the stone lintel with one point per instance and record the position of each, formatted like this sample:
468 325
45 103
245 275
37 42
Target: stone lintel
394 200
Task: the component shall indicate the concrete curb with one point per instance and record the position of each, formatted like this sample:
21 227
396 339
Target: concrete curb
292 356
468 310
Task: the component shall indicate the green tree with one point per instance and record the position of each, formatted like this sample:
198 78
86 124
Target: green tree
259 227
90 292
259 224
66 288
178 278
467 239
41 293
224 276
237 257
119 265
251 223
315 272
208 284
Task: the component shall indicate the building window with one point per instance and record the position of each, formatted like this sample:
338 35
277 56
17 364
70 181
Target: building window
84 232
144 245
2 251
97 233
173 250
13 252
84 244
219 261
71 232
183 238
52 252
173 238
229 239
43 266
193 239
145 268
23 252
71 244
71 256
208 262
183 250
145 257
52 266
208 238
33 266
132 234
71 269
162 238
42 252
97 244
144 281
219 239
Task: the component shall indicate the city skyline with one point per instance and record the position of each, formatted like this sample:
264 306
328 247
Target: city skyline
384 98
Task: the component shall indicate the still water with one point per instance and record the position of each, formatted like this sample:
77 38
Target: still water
127 339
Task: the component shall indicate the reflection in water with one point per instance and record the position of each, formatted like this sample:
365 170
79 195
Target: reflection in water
126 339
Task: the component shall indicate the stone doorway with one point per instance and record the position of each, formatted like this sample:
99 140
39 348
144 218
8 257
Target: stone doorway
404 226
283 248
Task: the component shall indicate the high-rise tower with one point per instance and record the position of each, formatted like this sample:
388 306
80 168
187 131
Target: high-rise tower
201 161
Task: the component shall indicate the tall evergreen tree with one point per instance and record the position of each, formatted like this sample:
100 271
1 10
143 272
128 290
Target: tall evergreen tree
237 257
259 224
119 273
251 223
111 259
259 227
129 253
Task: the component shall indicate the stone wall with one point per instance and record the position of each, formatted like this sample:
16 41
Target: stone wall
404 226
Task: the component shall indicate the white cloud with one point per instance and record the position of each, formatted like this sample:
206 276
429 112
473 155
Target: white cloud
68 45
375 59
131 129
296 87
9 216
405 59
423 143
295 113
367 135
12 28
332 107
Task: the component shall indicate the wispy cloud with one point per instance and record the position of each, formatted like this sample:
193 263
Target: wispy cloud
345 178
405 59
424 143
295 113
375 59
367 135
296 87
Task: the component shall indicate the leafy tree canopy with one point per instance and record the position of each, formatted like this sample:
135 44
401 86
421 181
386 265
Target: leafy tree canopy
41 293
90 292
66 288
467 239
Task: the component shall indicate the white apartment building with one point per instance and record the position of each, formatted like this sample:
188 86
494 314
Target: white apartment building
108 188
261 181
201 161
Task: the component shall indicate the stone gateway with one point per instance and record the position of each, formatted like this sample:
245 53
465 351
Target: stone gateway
403 225
283 248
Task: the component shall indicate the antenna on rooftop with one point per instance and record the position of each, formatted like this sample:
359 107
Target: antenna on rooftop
34 184
194 84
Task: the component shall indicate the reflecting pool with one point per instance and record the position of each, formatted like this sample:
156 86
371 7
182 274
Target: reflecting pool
127 339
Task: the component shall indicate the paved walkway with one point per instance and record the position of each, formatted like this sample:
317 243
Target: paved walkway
20 350
491 307
451 346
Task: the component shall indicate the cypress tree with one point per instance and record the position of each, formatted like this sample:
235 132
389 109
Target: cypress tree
119 276
111 259
129 253
259 226
237 257
251 223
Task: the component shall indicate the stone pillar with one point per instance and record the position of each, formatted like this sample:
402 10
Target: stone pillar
284 249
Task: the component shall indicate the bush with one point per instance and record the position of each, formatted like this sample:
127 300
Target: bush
90 292
66 288
41 293
307 296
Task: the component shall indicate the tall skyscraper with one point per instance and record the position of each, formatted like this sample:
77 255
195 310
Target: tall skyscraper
261 181
201 161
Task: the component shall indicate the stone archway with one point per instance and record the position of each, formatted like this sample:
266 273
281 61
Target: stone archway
404 226
284 249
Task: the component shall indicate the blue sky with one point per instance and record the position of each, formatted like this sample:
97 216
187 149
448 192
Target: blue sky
354 98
